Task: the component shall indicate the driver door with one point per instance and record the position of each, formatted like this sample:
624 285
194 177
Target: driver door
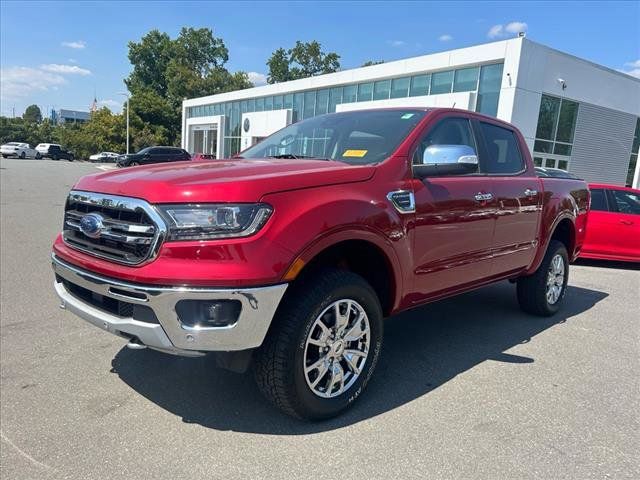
455 218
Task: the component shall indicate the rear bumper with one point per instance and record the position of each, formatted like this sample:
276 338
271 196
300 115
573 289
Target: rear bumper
169 334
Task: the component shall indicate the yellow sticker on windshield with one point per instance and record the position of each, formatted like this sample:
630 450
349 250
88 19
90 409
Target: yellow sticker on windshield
355 153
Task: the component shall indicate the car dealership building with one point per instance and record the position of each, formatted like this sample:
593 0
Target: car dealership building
575 115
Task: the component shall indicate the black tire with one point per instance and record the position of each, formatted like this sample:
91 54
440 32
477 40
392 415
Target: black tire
5 156
55 157
279 363
38 156
23 156
70 158
134 164
532 290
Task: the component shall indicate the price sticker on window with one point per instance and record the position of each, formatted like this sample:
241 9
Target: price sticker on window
355 153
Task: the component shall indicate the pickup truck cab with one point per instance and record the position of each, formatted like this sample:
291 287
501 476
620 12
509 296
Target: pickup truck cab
289 256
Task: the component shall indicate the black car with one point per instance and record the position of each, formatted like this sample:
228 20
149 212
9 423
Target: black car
554 173
56 152
154 155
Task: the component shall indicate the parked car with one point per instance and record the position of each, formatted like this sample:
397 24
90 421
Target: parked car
554 173
290 255
201 157
104 157
54 152
153 155
613 228
18 149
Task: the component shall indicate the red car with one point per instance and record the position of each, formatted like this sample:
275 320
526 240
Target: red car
613 226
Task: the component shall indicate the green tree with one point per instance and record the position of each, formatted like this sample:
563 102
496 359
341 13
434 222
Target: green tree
305 59
32 114
165 71
368 63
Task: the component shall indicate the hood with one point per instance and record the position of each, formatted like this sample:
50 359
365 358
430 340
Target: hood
241 180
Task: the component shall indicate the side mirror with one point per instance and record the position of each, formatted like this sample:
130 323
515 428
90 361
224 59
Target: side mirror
447 160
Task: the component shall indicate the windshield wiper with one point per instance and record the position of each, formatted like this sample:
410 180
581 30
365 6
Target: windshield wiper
296 157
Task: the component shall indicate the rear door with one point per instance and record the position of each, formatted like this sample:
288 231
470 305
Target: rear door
624 231
598 240
518 195
454 218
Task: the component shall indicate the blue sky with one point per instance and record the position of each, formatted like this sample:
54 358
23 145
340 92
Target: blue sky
55 54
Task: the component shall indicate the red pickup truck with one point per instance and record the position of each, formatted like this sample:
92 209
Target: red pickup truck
290 255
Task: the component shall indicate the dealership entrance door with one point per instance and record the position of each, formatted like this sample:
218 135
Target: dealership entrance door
204 135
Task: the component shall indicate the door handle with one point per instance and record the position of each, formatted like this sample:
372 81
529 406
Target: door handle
483 197
530 193
626 222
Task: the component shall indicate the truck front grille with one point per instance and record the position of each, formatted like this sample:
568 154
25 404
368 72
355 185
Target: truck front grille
128 230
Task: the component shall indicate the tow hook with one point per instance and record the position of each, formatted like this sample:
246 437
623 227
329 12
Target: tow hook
135 344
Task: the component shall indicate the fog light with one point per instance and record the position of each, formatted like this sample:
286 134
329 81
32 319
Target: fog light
208 313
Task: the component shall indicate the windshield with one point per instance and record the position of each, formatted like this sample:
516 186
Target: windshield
145 150
357 138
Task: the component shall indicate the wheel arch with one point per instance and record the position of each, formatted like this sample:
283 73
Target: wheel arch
364 253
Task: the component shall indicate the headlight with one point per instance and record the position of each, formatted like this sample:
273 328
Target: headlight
205 222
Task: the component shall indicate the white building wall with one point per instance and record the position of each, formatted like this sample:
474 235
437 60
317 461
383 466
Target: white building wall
262 124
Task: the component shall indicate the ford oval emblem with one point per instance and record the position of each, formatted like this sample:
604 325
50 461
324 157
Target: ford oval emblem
91 225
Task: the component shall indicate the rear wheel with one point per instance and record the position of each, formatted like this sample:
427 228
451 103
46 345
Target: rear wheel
70 158
38 156
323 346
23 155
543 292
134 164
55 157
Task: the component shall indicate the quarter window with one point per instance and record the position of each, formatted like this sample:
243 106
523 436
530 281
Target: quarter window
503 153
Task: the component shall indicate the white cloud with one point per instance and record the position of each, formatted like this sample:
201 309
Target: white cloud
501 31
18 82
73 60
516 27
257 78
397 43
80 44
112 104
634 69
495 31
445 38
65 69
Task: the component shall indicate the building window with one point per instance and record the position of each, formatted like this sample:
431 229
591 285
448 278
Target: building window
268 103
349 94
633 160
556 127
335 97
322 101
381 90
419 85
277 102
365 92
489 89
260 104
400 87
441 82
298 100
309 104
466 79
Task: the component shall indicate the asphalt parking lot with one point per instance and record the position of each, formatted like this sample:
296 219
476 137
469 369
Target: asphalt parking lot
466 388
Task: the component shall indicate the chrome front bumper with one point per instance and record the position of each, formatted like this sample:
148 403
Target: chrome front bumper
170 334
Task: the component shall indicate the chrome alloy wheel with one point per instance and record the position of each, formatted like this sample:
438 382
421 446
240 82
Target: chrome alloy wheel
555 279
336 348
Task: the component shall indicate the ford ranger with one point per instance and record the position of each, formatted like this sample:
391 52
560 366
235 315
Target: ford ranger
289 256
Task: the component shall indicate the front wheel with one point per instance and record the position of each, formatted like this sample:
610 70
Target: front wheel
543 292
38 156
323 346
23 156
70 158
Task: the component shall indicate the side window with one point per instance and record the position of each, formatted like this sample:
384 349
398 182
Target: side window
627 202
598 200
502 150
450 131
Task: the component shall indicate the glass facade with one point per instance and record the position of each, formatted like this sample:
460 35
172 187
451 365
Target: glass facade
485 80
554 133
